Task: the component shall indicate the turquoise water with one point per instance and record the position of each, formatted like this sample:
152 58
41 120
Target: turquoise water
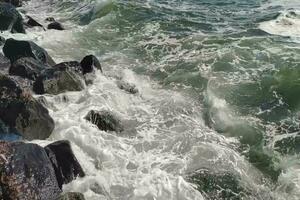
225 69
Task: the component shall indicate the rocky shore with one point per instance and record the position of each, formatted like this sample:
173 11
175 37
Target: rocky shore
27 170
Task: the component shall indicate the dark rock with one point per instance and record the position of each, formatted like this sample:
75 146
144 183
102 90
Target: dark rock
27 67
16 3
61 78
64 162
10 19
2 40
218 185
88 64
72 196
105 120
15 49
18 109
55 25
32 22
130 88
8 133
26 172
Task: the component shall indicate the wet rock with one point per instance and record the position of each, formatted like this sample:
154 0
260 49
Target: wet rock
26 172
10 19
8 133
218 185
27 67
61 78
105 120
56 26
19 110
15 49
88 64
16 3
128 87
2 40
72 196
50 19
32 22
4 64
64 162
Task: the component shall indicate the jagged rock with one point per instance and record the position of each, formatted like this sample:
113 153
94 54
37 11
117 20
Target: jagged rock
72 196
55 25
32 22
27 67
10 19
105 120
26 172
130 88
18 109
15 49
16 3
61 78
88 64
64 162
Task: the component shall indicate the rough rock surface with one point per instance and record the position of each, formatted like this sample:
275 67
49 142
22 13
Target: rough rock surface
64 162
72 196
10 19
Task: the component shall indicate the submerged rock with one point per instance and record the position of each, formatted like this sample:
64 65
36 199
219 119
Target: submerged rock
26 173
88 64
19 110
32 22
61 78
128 87
15 49
105 120
10 19
64 162
221 185
27 67
72 196
56 26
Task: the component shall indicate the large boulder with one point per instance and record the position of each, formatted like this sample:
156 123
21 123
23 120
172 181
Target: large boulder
105 120
26 173
72 196
15 49
27 67
88 64
16 3
61 78
10 19
19 110
64 162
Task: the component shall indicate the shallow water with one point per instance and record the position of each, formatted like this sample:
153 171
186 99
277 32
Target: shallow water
218 92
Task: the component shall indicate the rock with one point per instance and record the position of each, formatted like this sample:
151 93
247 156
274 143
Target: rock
72 196
27 67
61 78
50 19
105 120
55 25
2 40
8 133
32 22
4 64
88 64
15 49
16 3
10 19
130 88
19 110
26 172
64 162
